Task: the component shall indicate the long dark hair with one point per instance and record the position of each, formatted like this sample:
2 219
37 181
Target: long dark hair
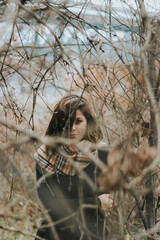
64 115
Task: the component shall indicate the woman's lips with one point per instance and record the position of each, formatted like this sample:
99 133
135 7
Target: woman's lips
73 135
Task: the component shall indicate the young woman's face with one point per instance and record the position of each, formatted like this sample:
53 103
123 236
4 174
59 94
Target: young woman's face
79 126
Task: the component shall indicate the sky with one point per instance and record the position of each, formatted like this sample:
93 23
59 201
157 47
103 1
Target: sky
151 5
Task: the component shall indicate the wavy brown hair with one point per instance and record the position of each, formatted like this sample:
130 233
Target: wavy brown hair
64 114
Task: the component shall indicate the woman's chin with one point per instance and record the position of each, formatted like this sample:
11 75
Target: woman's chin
74 139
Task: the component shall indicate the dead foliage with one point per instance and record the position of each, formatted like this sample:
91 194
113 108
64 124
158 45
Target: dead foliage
125 160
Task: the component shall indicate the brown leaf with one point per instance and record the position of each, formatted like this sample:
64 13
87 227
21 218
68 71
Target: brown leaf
123 158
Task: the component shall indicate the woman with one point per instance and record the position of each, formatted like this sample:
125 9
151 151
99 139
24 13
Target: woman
65 190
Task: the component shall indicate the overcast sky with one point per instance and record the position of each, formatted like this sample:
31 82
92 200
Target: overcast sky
151 5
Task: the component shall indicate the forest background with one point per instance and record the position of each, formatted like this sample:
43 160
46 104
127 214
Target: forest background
107 51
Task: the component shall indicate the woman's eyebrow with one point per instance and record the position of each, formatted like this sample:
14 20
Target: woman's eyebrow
78 118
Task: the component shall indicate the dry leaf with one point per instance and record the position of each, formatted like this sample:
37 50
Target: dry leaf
124 159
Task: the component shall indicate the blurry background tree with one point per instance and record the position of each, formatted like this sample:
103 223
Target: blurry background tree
107 50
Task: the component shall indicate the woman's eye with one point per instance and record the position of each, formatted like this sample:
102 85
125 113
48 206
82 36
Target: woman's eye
78 121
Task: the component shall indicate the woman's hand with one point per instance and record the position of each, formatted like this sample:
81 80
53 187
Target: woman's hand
106 202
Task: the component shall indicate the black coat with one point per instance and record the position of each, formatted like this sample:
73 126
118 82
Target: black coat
63 197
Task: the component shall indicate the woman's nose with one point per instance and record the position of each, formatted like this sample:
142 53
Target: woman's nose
73 127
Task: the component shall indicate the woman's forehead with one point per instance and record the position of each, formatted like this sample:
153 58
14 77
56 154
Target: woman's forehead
79 114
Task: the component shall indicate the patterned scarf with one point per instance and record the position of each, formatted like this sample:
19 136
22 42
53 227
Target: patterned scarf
61 162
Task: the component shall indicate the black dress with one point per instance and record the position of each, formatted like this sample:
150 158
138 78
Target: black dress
63 196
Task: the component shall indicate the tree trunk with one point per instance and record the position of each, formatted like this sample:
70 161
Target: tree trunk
150 198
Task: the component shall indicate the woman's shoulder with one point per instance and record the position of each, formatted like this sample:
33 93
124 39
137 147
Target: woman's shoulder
102 145
103 151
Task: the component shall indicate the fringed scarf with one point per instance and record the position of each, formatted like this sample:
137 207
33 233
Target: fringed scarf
61 162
